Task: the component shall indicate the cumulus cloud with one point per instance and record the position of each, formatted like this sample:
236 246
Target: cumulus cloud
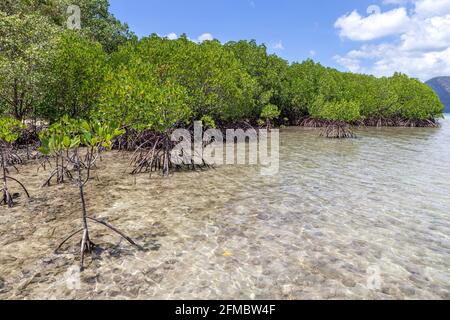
172 36
427 34
419 46
205 37
431 8
278 46
377 25
398 2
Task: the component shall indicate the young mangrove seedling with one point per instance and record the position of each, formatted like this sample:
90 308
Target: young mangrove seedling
57 139
9 133
79 143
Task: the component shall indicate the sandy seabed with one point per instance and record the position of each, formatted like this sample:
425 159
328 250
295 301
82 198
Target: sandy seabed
218 234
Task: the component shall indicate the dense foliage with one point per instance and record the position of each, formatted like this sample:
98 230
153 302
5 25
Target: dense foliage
9 130
77 76
25 45
103 71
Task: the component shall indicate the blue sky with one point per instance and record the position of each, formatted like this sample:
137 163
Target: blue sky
293 29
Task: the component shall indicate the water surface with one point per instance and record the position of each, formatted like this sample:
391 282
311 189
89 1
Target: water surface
338 211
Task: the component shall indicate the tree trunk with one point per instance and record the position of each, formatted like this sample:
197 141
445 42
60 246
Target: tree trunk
86 244
6 195
268 125
16 101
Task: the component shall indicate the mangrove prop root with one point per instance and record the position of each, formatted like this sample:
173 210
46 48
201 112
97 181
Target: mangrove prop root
19 183
67 239
87 245
7 198
399 122
13 159
61 170
372 122
158 158
133 140
338 131
116 231
152 152
60 173
43 161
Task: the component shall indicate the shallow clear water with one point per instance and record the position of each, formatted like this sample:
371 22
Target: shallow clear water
352 219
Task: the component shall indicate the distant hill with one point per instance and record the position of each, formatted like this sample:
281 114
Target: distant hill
441 85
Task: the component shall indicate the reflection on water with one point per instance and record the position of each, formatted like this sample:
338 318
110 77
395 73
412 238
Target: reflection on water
363 218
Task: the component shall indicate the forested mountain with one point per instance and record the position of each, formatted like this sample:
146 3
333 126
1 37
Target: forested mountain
441 85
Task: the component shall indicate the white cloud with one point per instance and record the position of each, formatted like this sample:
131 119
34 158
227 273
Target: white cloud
424 8
172 36
427 34
377 25
312 53
386 59
278 46
353 65
205 37
431 8
421 48
398 2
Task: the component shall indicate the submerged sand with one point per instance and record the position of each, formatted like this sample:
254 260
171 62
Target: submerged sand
322 228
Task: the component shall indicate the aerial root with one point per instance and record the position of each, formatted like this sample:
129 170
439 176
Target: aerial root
120 233
19 183
67 239
371 122
159 159
338 131
7 199
60 172
87 246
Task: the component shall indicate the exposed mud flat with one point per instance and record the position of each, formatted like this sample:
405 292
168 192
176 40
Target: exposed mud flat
337 211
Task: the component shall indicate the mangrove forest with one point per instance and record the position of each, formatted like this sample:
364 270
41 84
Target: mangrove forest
103 71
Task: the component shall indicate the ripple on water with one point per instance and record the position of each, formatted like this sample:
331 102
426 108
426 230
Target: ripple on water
336 210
